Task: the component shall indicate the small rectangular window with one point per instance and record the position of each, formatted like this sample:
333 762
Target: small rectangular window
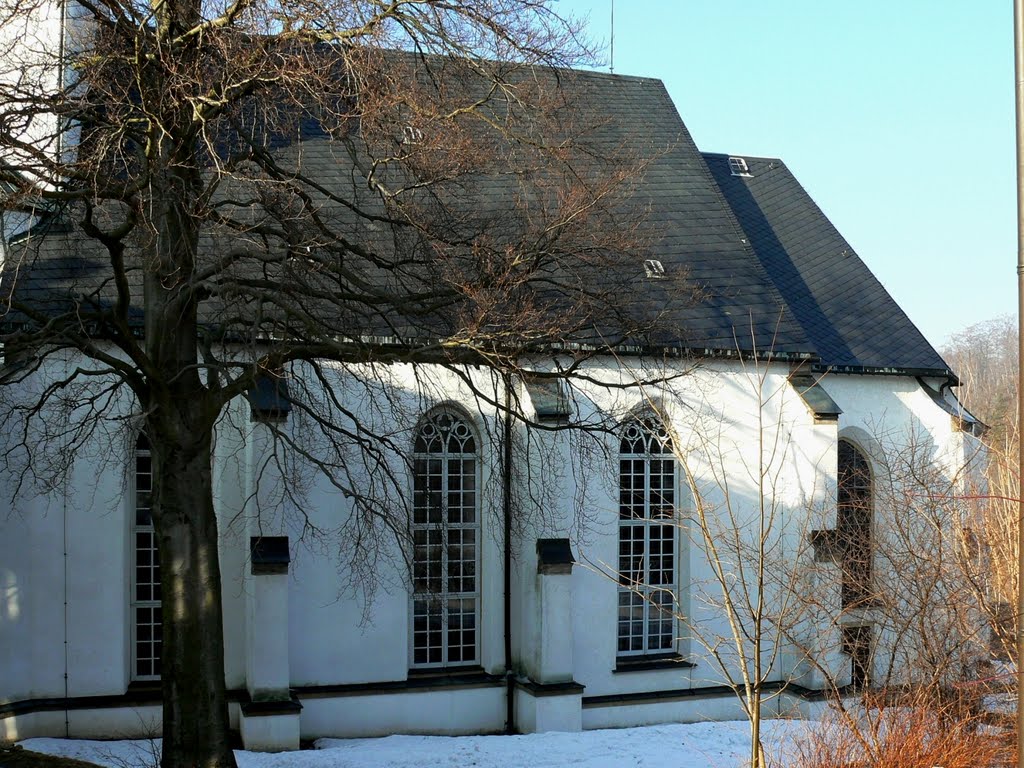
857 645
738 166
550 397
654 268
817 400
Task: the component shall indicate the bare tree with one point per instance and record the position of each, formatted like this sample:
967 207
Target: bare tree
226 193
985 355
930 621
911 615
751 522
742 511
805 577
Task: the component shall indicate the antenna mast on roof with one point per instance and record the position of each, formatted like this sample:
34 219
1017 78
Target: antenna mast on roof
611 60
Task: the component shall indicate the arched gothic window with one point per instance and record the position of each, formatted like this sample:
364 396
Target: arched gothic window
647 539
853 521
446 543
145 582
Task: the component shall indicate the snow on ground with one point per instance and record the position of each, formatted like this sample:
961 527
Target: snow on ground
700 745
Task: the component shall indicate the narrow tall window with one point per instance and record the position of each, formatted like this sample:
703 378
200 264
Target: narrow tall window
145 597
446 538
857 645
647 539
853 521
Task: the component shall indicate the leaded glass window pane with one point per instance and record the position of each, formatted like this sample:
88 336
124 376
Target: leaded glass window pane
647 539
853 521
147 621
446 595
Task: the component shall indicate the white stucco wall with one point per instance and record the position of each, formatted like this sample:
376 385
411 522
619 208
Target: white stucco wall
64 561
743 436
38 45
30 40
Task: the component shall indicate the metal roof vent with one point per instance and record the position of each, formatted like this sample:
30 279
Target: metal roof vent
817 400
269 398
738 166
550 397
654 269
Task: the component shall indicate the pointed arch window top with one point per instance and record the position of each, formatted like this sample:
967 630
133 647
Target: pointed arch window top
644 437
854 476
444 432
853 524
648 540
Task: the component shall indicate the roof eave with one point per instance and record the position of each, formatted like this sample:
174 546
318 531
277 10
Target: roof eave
889 370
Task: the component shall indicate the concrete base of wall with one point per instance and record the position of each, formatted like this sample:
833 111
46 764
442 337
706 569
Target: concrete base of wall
269 731
277 726
538 714
101 723
441 712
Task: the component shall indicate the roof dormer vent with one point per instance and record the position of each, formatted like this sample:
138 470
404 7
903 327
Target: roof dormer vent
654 269
738 166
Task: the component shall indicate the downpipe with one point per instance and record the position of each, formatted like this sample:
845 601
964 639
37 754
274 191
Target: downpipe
510 677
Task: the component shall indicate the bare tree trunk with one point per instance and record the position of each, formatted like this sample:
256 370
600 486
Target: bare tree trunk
195 714
181 411
756 754
178 113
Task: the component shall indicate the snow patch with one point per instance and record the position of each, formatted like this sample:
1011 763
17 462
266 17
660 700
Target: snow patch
698 745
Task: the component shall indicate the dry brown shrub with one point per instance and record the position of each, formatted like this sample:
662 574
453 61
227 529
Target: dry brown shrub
904 730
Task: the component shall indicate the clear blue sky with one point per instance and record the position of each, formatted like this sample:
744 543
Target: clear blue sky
896 115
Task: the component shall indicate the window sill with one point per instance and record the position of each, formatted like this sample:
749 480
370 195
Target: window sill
863 604
442 673
142 692
148 685
645 663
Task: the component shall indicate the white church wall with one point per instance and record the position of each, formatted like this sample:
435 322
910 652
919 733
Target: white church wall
230 489
30 41
38 41
342 633
681 709
886 407
719 420
64 549
908 439
41 564
341 638
97 598
15 606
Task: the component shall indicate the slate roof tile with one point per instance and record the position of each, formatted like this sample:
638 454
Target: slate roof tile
774 271
845 311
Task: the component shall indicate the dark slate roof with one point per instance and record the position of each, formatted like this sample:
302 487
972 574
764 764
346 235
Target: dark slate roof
772 272
851 320
685 224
